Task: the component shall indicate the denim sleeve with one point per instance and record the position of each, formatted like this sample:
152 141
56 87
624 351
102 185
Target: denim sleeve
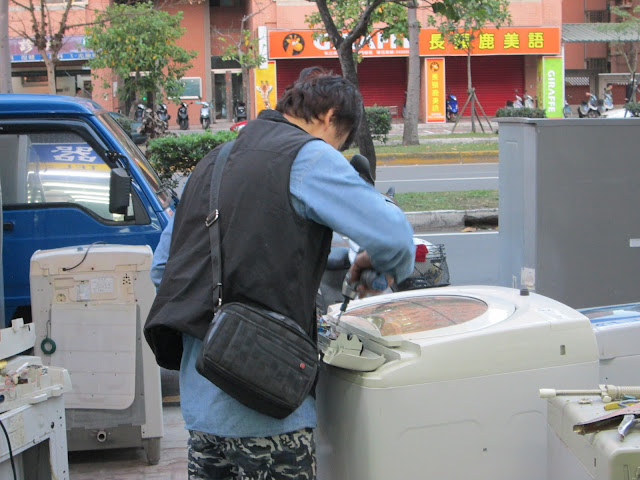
161 254
326 189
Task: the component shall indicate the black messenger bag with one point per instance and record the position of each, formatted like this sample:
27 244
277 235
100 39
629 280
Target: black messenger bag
263 359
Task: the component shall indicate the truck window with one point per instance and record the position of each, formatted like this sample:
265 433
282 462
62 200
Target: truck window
54 167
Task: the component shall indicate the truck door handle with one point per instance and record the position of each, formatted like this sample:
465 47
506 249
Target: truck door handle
7 226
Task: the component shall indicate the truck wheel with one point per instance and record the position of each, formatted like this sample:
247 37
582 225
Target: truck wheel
152 450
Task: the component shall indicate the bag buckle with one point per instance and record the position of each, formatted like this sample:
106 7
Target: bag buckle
211 218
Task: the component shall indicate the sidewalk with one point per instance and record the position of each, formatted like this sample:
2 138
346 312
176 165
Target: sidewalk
427 133
425 130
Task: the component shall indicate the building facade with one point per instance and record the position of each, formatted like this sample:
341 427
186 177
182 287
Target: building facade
504 61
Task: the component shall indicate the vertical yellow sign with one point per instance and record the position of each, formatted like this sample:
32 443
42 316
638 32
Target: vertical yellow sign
266 94
435 90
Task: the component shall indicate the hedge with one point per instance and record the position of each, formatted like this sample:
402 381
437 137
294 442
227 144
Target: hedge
521 112
379 120
633 108
178 155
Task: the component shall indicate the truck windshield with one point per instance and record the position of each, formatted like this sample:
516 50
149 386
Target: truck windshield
138 157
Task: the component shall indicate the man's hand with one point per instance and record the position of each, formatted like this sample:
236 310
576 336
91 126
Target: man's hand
363 262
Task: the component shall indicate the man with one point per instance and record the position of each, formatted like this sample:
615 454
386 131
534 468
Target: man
285 187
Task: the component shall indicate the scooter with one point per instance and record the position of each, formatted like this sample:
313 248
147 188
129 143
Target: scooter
162 113
163 116
431 269
139 113
452 107
240 111
589 108
607 102
566 111
528 100
183 116
205 114
518 101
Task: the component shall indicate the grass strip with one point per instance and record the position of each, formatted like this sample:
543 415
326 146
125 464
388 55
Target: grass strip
464 200
430 148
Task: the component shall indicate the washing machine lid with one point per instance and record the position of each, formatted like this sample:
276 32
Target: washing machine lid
613 314
421 314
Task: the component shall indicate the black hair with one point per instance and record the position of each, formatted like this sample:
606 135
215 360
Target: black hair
315 92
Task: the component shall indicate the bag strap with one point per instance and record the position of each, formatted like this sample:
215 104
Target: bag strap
211 221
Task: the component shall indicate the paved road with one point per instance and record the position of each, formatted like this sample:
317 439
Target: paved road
437 178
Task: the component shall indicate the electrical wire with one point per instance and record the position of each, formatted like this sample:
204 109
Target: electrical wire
13 465
66 269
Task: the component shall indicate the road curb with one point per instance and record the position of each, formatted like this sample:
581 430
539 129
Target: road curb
440 220
485 156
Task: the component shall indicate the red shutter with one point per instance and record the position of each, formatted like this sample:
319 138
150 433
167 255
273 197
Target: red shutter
383 81
495 79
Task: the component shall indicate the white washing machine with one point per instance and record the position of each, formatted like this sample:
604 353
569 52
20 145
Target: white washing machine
89 305
617 329
443 384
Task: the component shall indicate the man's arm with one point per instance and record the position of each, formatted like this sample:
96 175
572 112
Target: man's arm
327 190
161 254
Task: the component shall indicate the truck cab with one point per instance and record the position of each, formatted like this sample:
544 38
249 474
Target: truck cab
70 175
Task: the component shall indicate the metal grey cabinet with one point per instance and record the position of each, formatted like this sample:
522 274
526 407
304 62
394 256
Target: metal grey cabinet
570 208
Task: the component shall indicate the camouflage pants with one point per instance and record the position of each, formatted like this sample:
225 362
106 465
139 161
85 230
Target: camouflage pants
287 456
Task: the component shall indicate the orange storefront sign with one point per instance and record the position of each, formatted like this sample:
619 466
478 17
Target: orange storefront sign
300 44
436 95
491 41
494 41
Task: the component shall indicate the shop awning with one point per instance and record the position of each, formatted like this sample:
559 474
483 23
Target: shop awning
592 32
23 50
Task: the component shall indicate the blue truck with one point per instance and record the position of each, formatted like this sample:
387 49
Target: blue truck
70 175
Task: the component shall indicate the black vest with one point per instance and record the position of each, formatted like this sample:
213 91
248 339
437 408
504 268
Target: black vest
271 256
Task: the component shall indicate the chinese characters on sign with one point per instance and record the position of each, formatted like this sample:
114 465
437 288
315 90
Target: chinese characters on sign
493 41
436 95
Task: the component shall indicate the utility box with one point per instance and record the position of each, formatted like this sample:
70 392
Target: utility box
89 306
569 216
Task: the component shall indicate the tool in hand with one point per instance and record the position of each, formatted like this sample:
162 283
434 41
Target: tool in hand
369 278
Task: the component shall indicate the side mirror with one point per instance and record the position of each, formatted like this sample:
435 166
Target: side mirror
119 191
361 164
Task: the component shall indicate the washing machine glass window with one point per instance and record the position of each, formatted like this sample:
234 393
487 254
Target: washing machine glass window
420 314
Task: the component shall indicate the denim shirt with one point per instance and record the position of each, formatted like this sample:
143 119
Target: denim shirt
326 189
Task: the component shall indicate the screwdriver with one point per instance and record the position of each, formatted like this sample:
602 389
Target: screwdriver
369 278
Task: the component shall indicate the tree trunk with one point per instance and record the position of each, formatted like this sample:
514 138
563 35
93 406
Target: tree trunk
363 137
246 85
410 133
470 91
51 72
5 55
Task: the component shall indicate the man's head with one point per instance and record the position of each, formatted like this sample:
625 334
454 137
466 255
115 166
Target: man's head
321 98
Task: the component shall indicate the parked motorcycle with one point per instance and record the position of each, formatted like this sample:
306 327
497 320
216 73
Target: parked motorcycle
607 102
517 103
183 116
589 108
139 113
452 107
240 111
162 116
162 113
205 114
528 100
431 269
566 111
